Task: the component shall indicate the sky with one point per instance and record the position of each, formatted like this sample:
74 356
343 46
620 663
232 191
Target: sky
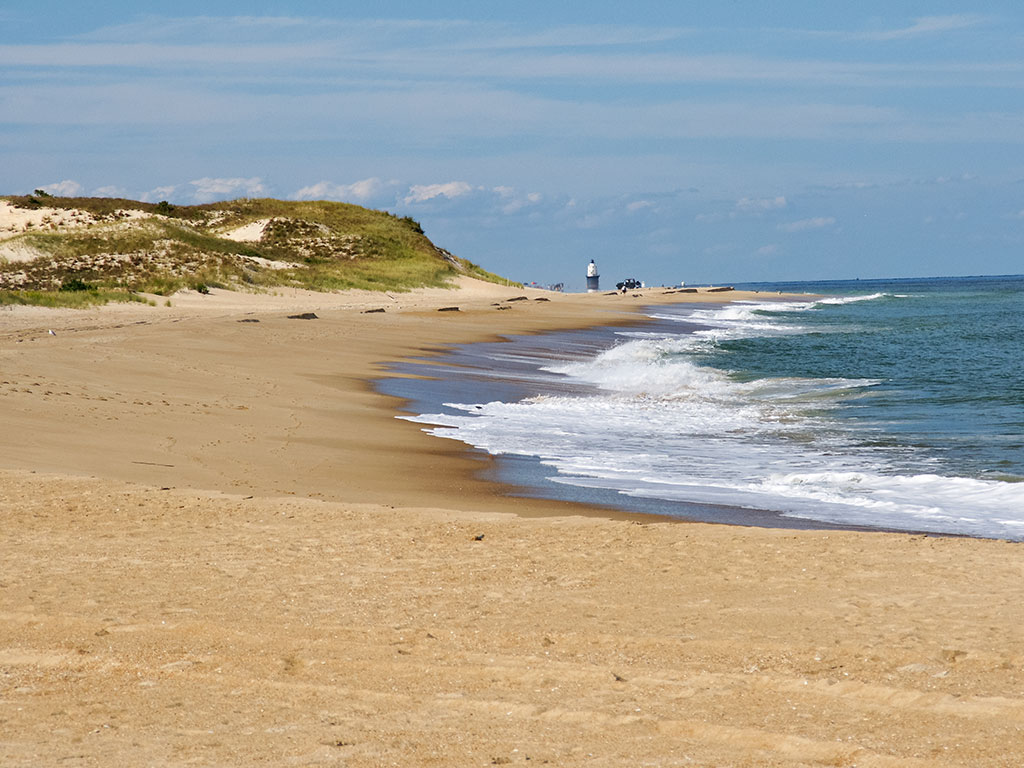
668 141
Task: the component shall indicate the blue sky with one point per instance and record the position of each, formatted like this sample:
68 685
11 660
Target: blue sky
706 142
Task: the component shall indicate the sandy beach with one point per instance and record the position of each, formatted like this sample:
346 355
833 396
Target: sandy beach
220 547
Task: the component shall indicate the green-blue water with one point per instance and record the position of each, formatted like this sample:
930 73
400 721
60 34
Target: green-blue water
891 404
947 353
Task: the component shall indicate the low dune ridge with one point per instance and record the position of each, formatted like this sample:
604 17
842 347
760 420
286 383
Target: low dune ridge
62 251
220 547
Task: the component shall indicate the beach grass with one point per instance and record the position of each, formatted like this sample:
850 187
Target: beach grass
69 299
118 246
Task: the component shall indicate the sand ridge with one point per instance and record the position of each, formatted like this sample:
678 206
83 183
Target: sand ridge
15 221
248 233
220 547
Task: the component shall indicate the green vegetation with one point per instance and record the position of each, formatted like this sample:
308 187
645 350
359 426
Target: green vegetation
76 284
101 207
69 299
120 247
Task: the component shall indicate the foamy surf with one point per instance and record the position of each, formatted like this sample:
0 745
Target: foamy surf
657 421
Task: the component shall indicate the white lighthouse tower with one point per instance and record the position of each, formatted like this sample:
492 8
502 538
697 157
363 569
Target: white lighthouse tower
592 277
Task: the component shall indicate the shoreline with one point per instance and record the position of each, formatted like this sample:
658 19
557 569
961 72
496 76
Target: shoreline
342 352
348 591
501 471
522 476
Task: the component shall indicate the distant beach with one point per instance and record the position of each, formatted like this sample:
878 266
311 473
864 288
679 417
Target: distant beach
222 547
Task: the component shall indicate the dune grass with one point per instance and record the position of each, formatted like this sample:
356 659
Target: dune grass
69 299
318 245
101 207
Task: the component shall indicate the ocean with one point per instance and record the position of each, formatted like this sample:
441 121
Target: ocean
888 404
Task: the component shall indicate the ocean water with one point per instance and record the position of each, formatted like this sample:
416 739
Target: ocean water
884 404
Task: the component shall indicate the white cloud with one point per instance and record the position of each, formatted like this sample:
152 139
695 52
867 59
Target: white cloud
708 218
929 25
110 191
759 205
66 188
513 201
804 224
421 193
409 34
207 190
454 106
364 190
767 250
639 205
159 193
845 185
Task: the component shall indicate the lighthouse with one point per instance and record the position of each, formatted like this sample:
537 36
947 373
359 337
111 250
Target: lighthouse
592 277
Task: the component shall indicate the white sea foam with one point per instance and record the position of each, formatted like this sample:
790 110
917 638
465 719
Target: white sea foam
658 425
853 299
740 320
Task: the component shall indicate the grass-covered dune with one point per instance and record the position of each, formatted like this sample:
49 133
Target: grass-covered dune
68 251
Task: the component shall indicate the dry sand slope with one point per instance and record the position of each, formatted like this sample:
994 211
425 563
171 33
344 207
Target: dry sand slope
347 594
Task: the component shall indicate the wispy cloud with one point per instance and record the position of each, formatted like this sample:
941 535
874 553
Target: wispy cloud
512 121
760 205
154 55
110 190
421 193
512 201
929 25
483 203
805 224
476 51
484 81
361 191
207 190
456 34
573 36
166 192
66 188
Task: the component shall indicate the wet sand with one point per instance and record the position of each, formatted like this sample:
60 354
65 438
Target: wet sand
221 548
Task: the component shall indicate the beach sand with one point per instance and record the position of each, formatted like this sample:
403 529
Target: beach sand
219 547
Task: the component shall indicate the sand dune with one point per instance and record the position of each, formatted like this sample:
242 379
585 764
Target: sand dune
15 221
